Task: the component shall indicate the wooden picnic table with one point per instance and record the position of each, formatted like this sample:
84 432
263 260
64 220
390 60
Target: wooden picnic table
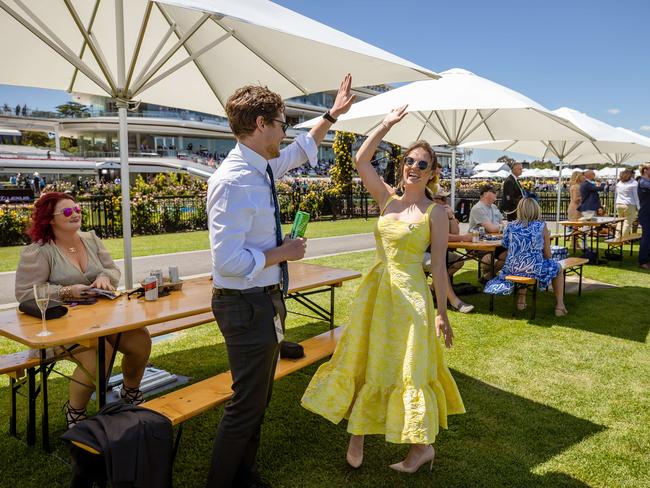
590 228
475 251
90 325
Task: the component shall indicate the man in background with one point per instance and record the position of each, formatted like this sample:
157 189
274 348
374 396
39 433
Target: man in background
512 192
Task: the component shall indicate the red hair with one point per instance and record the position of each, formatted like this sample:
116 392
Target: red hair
40 230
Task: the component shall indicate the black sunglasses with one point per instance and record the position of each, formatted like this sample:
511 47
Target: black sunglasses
285 125
421 164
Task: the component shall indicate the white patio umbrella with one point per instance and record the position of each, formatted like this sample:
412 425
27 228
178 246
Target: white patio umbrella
190 54
604 141
459 107
483 175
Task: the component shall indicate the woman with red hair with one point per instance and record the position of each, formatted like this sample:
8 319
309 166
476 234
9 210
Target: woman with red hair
73 262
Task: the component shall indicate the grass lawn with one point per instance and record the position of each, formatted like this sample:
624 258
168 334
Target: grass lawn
193 241
551 402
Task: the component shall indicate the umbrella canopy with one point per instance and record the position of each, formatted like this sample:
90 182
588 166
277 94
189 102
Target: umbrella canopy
189 54
606 144
459 107
491 174
610 143
640 154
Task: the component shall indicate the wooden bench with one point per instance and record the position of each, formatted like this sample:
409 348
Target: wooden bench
569 265
22 366
192 400
619 242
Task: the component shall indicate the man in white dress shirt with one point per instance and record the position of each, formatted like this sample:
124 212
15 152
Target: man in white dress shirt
248 262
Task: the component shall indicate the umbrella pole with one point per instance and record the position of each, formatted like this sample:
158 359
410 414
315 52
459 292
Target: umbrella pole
126 196
559 197
122 105
453 177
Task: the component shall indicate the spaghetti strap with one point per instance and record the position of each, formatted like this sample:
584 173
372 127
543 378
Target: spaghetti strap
388 200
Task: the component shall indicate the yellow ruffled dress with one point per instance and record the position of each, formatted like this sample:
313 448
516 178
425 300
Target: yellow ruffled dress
388 373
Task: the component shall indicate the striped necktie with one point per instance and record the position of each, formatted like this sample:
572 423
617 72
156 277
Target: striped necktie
284 270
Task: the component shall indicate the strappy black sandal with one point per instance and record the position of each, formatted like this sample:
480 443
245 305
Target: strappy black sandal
73 415
132 396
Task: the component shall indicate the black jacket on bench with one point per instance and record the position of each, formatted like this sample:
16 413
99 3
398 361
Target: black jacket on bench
136 446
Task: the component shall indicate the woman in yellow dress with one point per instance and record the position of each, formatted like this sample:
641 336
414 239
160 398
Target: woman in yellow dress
388 374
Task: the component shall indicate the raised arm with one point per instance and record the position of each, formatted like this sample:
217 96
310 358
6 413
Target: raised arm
342 103
375 185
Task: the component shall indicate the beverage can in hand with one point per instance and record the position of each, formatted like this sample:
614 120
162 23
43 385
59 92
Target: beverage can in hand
299 226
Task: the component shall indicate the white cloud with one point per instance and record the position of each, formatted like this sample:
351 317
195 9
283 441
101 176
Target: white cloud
645 128
614 111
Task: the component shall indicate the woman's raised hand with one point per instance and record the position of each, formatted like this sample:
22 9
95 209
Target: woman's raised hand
344 98
394 116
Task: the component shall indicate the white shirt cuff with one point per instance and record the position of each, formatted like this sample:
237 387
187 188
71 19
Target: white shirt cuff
259 260
309 147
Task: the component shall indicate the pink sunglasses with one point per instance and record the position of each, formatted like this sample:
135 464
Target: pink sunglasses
67 212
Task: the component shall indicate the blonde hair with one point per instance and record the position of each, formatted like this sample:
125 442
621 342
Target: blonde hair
432 187
528 211
576 178
644 167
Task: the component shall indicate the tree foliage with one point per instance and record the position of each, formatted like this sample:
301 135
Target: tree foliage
72 109
36 139
343 168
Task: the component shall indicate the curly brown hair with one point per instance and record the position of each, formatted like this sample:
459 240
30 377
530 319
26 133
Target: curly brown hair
249 102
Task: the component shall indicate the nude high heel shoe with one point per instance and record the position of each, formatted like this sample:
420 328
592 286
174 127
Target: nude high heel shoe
427 457
354 461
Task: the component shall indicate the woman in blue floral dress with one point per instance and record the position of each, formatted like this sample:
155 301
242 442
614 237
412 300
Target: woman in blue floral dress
529 254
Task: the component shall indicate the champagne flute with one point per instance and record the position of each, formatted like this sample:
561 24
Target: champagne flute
42 297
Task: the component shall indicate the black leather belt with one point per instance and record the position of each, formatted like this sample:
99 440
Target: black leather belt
255 289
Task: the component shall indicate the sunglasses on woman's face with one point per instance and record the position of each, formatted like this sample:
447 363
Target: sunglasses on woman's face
67 212
422 165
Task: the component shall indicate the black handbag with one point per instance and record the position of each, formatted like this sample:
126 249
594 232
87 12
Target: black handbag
54 309
291 350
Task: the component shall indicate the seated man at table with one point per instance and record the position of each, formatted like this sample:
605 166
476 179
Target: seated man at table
454 261
73 262
487 215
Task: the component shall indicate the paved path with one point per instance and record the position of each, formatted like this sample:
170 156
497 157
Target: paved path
199 262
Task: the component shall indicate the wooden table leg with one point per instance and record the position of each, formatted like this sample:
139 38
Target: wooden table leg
45 418
31 406
100 386
492 268
331 307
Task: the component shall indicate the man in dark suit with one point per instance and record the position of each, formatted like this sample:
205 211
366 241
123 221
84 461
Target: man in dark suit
512 192
589 193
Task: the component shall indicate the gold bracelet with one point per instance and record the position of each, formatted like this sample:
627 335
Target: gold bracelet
65 292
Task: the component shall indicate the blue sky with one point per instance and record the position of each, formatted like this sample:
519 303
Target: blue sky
593 56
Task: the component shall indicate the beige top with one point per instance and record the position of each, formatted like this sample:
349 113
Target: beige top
45 263
574 202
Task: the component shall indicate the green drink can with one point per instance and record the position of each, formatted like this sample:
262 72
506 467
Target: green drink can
299 225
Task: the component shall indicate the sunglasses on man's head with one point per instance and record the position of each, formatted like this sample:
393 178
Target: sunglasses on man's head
421 164
285 125
67 212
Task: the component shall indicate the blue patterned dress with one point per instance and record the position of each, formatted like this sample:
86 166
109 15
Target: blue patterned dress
525 244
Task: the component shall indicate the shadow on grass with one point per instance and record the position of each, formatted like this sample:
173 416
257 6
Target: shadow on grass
196 362
614 312
499 442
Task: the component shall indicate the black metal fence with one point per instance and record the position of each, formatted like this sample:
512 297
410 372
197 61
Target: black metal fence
160 215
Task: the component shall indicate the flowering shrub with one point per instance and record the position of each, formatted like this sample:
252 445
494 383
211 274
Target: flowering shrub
14 220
